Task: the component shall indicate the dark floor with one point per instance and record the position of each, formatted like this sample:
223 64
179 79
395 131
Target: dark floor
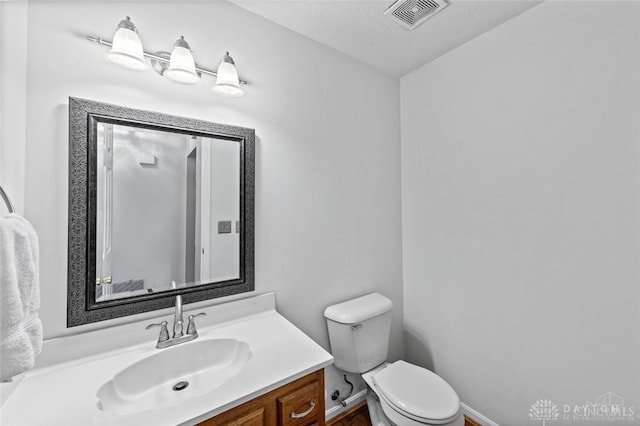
356 416
359 416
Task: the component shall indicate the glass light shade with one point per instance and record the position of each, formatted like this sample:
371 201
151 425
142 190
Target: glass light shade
182 68
126 50
227 83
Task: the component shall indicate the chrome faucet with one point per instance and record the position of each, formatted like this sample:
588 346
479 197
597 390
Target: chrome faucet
178 321
164 341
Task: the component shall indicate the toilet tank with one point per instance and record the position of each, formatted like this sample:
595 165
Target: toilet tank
359 332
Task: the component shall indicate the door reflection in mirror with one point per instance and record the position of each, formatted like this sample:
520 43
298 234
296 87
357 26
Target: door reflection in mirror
160 199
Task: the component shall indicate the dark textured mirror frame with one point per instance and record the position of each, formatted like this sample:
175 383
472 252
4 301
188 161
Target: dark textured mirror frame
83 118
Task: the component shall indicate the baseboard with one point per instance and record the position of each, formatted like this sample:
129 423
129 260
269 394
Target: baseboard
352 400
474 415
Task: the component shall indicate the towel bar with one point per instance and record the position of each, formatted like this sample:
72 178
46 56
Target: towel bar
7 201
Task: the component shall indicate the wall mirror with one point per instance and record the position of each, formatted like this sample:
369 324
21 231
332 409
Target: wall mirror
159 205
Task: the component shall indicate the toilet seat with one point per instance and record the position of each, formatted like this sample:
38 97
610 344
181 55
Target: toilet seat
417 393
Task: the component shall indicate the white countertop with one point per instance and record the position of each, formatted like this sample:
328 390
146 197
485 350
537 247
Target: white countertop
65 393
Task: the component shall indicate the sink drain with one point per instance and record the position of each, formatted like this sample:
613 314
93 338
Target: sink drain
180 386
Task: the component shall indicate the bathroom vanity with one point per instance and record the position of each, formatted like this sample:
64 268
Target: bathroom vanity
249 366
298 403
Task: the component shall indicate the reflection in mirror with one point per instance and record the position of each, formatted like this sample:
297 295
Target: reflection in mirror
159 205
168 209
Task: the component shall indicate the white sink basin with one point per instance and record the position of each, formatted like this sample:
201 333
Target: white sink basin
173 375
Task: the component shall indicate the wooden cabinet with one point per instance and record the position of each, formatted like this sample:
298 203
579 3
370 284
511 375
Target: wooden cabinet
299 403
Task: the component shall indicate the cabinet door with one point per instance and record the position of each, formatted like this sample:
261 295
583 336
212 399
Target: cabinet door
240 416
301 407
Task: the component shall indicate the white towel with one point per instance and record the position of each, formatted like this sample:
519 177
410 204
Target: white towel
21 329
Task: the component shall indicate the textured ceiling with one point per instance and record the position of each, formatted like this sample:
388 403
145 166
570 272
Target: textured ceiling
360 29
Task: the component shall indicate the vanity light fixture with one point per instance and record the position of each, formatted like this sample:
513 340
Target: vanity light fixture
182 67
227 83
126 49
178 66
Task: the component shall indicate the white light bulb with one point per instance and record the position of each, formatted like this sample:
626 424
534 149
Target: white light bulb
126 50
182 67
227 83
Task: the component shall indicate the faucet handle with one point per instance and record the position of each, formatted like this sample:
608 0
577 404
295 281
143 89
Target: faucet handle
164 332
191 328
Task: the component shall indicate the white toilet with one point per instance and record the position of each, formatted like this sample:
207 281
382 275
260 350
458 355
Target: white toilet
400 393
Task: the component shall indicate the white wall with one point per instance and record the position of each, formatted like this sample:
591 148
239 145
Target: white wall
328 158
520 170
225 205
13 106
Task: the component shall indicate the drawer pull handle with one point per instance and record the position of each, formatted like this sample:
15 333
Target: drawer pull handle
312 405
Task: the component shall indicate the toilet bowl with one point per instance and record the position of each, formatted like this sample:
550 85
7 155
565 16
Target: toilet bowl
400 393
404 394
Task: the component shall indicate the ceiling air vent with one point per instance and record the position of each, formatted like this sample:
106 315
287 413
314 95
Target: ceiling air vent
411 13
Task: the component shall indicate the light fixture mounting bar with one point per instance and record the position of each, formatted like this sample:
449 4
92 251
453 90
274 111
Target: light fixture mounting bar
103 42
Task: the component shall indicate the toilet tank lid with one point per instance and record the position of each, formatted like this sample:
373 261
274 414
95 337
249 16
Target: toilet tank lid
359 309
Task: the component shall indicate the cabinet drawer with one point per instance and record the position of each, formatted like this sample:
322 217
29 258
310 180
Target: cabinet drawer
301 406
